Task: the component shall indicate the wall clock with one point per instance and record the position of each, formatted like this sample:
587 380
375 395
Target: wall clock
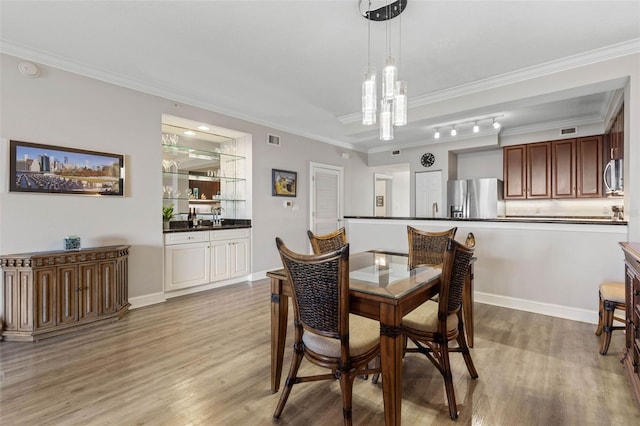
428 159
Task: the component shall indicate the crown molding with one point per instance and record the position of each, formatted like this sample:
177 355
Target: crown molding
553 125
575 61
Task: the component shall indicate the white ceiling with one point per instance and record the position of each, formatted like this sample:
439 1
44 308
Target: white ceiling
297 65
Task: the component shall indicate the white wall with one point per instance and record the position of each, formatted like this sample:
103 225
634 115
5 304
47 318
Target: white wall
61 108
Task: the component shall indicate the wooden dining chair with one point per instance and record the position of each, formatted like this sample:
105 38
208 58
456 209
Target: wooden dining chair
327 242
432 325
427 248
325 333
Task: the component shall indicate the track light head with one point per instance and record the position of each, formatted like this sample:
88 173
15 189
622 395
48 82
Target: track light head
453 130
496 125
436 135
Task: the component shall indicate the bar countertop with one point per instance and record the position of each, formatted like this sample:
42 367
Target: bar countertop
182 226
579 220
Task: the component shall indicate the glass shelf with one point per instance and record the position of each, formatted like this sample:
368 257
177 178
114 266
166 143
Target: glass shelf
209 201
203 178
182 151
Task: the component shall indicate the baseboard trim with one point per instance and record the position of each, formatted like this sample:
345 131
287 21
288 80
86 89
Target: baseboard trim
559 311
146 300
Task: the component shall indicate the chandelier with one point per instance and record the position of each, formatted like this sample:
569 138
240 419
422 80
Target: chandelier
393 102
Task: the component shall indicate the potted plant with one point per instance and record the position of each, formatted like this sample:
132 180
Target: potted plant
167 215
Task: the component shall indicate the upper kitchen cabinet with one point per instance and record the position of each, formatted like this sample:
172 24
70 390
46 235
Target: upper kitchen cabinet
614 147
203 171
563 168
527 171
515 177
539 170
589 167
568 168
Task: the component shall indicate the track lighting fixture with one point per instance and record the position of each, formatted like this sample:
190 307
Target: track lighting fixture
464 125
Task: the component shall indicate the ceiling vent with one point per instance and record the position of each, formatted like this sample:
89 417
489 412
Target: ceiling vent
273 139
569 131
396 152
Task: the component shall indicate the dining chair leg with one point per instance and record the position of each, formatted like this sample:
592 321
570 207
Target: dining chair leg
600 315
464 348
346 386
607 326
296 360
448 380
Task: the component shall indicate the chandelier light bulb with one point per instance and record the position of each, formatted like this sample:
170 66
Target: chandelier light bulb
369 101
389 79
400 104
386 121
476 128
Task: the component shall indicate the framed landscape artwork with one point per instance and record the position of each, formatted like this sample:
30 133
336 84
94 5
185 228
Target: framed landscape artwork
283 183
38 168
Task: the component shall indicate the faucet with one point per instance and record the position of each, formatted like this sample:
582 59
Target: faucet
434 209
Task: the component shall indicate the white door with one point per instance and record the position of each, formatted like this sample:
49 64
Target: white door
429 194
326 198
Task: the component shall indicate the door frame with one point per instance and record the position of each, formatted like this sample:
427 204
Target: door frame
313 166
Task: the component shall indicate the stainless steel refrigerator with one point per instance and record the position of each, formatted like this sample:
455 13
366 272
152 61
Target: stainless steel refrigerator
475 198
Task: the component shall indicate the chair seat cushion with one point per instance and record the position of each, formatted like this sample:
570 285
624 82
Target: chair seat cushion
364 334
425 318
613 291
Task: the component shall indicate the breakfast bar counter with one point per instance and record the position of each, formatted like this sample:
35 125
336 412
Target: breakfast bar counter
552 267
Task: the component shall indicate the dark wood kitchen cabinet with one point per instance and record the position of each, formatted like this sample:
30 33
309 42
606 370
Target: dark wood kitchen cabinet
515 172
563 168
539 170
567 168
589 167
527 171
614 149
56 292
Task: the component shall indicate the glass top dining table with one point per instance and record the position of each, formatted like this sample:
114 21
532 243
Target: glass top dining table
387 274
381 287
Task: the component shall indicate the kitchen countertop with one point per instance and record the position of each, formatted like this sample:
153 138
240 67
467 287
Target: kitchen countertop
581 220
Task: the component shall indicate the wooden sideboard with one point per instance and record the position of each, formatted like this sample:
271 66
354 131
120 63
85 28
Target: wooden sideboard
631 353
55 292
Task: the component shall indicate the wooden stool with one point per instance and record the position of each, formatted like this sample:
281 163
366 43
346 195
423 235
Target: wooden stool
611 298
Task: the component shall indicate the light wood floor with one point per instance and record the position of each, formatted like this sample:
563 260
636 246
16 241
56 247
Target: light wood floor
204 360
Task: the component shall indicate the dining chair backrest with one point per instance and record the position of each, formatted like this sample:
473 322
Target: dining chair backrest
427 248
320 287
456 263
327 242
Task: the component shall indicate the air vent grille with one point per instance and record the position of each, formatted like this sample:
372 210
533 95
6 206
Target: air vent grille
569 131
273 140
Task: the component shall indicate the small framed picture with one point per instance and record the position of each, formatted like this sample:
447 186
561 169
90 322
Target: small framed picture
283 183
